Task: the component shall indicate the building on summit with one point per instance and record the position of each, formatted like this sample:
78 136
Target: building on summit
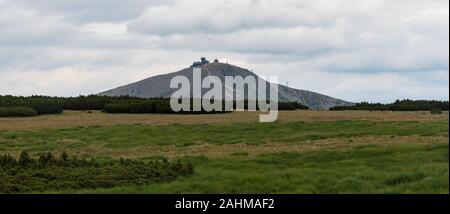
203 61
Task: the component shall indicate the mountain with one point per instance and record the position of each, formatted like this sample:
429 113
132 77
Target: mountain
159 86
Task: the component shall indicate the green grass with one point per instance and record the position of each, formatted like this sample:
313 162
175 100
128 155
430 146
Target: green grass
126 136
399 169
408 167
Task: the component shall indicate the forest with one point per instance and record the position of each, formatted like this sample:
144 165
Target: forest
20 106
399 105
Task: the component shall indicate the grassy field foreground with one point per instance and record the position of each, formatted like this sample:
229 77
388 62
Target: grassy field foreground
375 154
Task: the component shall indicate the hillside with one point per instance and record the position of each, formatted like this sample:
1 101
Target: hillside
159 86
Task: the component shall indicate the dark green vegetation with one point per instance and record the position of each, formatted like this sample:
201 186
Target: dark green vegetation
56 105
153 106
291 106
436 111
17 112
123 104
126 136
415 160
163 106
42 105
91 102
399 105
409 168
49 173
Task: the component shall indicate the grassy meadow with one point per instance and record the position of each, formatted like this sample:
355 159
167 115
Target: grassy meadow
303 152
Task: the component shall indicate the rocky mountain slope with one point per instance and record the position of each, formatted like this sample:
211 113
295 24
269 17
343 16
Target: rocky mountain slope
159 86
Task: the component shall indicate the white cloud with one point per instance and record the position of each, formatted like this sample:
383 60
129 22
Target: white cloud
27 27
296 40
84 11
56 82
373 87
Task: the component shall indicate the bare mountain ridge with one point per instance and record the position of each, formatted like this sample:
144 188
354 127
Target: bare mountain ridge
159 86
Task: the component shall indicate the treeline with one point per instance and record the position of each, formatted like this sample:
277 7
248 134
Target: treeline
399 105
40 104
163 106
15 105
17 112
48 172
26 106
91 102
292 106
146 106
94 102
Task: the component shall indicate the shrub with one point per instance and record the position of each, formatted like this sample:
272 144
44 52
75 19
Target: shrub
436 111
286 106
399 105
50 173
117 108
122 104
301 106
25 159
41 104
47 106
149 106
291 106
17 112
94 102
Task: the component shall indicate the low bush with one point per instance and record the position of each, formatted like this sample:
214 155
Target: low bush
50 173
149 106
163 106
291 106
95 102
436 111
41 104
117 108
47 106
17 112
399 105
121 104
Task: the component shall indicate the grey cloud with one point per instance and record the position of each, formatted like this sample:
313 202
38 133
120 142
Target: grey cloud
202 16
91 11
27 28
296 40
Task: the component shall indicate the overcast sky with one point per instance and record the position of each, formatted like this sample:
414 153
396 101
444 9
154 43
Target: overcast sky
357 50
